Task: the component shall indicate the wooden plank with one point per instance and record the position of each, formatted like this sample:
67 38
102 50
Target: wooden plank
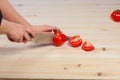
88 18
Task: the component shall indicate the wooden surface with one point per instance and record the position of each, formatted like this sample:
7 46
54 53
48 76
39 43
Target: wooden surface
88 18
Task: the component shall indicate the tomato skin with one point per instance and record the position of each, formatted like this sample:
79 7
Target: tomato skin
63 37
87 46
115 15
58 40
75 41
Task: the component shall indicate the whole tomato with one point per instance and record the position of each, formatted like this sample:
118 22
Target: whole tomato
115 15
87 46
59 38
75 41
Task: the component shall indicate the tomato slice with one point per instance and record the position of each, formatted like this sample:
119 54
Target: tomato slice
58 40
87 46
75 41
115 15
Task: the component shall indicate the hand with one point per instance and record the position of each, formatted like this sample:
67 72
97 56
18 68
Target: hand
19 33
44 29
16 32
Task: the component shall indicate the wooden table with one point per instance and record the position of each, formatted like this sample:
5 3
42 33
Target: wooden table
88 18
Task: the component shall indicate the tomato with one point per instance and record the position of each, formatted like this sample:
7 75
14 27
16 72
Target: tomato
75 41
87 46
57 32
58 40
115 15
63 37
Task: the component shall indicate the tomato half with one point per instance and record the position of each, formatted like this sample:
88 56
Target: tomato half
75 41
115 15
58 40
87 46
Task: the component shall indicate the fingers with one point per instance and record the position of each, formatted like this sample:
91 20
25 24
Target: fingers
55 28
17 38
26 38
45 33
30 33
49 27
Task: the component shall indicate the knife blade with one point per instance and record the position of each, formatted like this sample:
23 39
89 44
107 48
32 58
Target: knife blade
46 39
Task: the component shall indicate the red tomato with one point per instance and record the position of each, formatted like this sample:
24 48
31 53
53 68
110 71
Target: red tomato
115 15
58 40
87 46
75 41
63 37
56 32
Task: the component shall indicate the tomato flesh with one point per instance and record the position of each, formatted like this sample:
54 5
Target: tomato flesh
87 46
59 38
115 15
75 41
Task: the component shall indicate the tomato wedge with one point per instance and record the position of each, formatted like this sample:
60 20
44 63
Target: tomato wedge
75 41
87 46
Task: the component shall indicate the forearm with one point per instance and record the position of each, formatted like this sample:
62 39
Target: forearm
10 14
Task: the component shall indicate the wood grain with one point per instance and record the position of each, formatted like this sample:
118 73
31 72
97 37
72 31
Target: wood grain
88 18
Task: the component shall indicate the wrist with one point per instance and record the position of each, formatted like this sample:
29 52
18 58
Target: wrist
4 27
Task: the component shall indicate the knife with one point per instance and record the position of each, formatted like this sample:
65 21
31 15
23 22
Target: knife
45 39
